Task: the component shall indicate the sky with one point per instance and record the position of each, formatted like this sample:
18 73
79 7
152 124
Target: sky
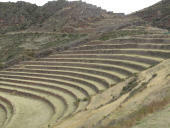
117 6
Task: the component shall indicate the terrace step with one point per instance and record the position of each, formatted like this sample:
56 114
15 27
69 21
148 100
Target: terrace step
69 92
124 46
137 40
100 84
102 74
140 40
151 52
56 102
69 96
3 113
94 68
8 109
119 62
136 58
78 82
153 36
84 63
24 102
49 83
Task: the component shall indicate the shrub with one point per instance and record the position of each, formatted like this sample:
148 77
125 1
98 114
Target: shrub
132 84
2 65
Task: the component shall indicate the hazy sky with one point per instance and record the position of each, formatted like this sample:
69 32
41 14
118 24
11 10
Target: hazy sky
126 6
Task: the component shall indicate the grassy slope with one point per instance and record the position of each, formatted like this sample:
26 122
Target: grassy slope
24 46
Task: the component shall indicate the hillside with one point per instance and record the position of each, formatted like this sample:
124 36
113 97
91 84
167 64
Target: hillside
30 31
18 47
158 14
111 83
53 16
74 65
27 30
69 16
17 16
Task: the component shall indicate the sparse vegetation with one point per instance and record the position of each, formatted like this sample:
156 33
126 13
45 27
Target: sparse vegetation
157 15
1 65
27 45
168 76
141 87
132 84
121 33
22 15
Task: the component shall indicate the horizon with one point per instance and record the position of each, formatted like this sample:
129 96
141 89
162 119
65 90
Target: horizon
116 6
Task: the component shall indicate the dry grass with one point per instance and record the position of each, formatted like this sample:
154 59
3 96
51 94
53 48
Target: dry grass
136 116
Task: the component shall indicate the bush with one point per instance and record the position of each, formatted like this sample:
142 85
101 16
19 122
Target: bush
132 84
2 65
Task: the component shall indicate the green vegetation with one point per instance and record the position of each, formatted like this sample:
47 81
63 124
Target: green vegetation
1 65
121 33
132 84
25 46
140 88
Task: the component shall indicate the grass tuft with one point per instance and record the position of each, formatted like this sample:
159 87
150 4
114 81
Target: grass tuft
132 84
